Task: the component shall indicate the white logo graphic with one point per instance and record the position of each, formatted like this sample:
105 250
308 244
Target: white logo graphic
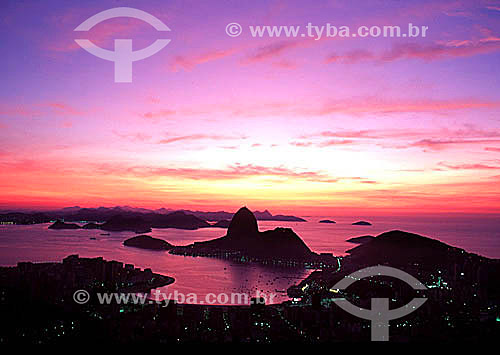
81 296
380 315
234 29
123 56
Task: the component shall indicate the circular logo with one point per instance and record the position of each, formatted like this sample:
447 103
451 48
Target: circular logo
123 55
233 29
81 296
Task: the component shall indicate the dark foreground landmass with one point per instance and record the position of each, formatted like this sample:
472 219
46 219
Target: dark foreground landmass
38 300
58 280
462 288
463 297
24 218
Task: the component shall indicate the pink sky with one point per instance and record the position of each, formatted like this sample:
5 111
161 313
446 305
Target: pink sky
295 125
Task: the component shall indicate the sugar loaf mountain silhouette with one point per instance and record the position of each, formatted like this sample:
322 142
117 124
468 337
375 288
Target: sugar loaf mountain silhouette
244 239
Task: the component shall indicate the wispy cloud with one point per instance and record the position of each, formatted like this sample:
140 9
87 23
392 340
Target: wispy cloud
439 144
99 35
159 114
236 171
38 109
354 56
255 55
371 105
64 109
427 52
358 106
272 50
433 140
335 142
285 64
195 137
135 137
474 166
188 62
302 144
493 7
18 110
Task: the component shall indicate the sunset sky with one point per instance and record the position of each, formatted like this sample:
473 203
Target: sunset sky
294 125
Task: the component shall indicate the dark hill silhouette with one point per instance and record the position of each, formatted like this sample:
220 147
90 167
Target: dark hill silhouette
143 222
402 248
327 221
428 258
147 242
361 240
179 220
267 216
260 216
101 214
243 225
244 239
361 223
92 226
125 223
222 224
62 225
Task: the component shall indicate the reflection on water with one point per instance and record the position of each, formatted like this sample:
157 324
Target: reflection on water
193 275
207 275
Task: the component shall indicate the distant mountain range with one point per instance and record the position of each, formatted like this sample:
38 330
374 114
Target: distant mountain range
104 214
139 222
260 216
